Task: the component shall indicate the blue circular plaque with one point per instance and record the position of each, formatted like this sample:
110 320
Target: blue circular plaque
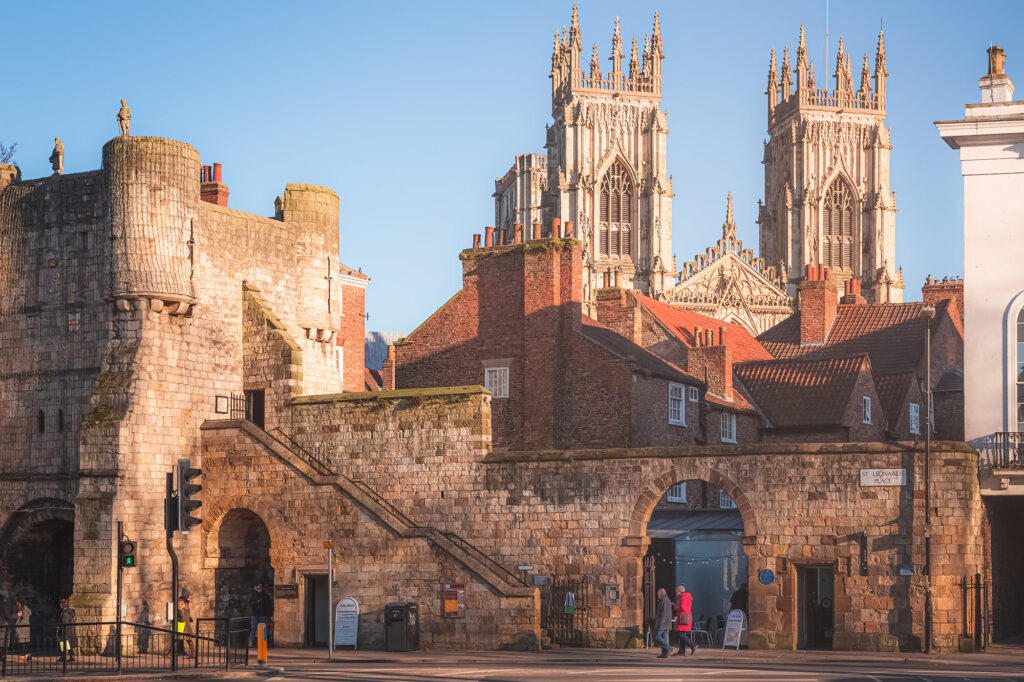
766 577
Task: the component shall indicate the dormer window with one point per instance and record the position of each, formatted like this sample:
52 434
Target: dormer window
866 410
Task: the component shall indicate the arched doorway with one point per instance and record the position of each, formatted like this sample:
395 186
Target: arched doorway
243 552
37 555
696 539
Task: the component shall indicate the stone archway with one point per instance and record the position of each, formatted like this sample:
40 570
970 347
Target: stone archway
37 554
241 551
712 558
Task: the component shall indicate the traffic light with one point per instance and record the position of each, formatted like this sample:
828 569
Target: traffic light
126 554
186 505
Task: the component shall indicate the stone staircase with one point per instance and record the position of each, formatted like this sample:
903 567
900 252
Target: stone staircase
319 472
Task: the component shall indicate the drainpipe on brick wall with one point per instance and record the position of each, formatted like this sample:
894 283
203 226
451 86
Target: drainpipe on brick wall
927 313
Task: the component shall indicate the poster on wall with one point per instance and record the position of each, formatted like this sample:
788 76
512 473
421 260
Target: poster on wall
453 600
346 623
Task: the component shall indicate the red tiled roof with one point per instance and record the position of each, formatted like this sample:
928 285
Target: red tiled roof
892 334
372 379
643 359
681 324
892 392
802 392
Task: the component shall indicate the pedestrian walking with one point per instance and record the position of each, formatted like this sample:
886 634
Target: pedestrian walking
684 620
18 620
663 621
185 623
67 635
261 611
739 599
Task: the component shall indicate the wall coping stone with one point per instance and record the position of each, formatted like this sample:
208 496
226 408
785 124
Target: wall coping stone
390 395
782 449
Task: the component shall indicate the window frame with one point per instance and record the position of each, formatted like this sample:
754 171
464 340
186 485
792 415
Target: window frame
914 418
865 409
728 418
501 370
722 496
680 487
681 420
692 394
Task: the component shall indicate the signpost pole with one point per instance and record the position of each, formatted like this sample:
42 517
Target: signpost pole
330 599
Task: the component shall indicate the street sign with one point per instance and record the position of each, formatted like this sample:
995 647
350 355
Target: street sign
883 477
346 623
328 544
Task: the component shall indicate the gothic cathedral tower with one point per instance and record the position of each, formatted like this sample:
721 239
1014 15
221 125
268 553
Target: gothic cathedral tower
606 160
826 176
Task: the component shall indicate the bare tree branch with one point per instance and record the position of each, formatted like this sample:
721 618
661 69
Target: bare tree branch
7 153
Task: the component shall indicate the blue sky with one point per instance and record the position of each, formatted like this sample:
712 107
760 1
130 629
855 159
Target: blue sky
409 110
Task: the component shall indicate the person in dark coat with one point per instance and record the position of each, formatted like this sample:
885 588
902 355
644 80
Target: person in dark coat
18 620
684 620
739 599
261 610
67 634
663 622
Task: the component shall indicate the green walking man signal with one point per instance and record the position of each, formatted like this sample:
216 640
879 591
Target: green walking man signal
186 489
126 554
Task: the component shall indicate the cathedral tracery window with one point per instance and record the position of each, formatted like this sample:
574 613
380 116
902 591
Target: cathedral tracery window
837 226
616 212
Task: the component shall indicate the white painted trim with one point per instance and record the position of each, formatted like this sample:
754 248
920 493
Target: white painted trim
1010 363
357 282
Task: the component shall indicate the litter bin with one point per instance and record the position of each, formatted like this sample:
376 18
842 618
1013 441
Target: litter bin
402 626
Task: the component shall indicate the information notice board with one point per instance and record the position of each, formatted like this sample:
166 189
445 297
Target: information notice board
346 623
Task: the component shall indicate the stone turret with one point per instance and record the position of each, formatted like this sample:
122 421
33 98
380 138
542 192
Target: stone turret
154 194
314 212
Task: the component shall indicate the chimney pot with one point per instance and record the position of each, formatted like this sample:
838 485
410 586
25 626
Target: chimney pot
488 236
698 336
476 241
811 271
618 278
202 177
518 238
216 172
536 230
721 336
821 271
567 230
556 227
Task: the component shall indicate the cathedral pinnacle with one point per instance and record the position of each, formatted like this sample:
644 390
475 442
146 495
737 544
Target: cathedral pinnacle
802 47
574 34
616 57
773 82
729 226
634 63
880 58
865 76
595 65
787 75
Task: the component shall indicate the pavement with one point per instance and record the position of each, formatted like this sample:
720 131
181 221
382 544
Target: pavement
607 665
560 665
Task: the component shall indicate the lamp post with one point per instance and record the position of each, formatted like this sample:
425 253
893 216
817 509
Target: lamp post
927 314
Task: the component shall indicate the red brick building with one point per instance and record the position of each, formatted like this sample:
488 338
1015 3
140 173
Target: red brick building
557 379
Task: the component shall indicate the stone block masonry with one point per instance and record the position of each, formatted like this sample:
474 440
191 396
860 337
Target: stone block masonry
584 512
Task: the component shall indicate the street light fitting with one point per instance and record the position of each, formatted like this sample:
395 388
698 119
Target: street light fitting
928 312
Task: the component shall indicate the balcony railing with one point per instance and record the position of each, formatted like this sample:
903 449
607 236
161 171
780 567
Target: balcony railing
1004 450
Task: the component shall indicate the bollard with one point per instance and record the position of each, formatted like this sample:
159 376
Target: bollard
261 645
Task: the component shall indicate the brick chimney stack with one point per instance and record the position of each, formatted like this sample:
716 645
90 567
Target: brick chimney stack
950 288
212 189
818 304
711 360
851 293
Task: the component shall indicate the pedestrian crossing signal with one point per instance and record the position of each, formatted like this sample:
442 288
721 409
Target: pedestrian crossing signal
126 554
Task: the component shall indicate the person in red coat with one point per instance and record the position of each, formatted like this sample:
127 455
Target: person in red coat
684 620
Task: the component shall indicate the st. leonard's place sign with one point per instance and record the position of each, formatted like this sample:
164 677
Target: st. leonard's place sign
883 477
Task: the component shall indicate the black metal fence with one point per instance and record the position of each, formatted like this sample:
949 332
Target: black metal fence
974 610
1003 450
92 647
564 610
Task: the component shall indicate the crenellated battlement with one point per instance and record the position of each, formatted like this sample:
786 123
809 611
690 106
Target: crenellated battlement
786 95
568 76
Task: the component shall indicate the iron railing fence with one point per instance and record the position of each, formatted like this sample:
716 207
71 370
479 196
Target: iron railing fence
239 407
92 647
564 610
974 610
1005 450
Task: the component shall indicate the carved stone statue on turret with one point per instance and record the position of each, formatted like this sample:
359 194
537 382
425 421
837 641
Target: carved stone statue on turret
57 157
124 119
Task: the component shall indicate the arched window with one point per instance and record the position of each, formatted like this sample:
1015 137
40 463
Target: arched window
837 224
616 230
1020 369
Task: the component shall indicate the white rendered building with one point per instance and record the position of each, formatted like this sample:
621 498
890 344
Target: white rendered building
990 138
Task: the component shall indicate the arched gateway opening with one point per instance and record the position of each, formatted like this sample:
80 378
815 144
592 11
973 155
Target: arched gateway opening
243 561
37 555
696 531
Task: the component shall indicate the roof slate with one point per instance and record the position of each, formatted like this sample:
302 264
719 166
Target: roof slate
802 392
892 334
892 391
641 358
681 324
